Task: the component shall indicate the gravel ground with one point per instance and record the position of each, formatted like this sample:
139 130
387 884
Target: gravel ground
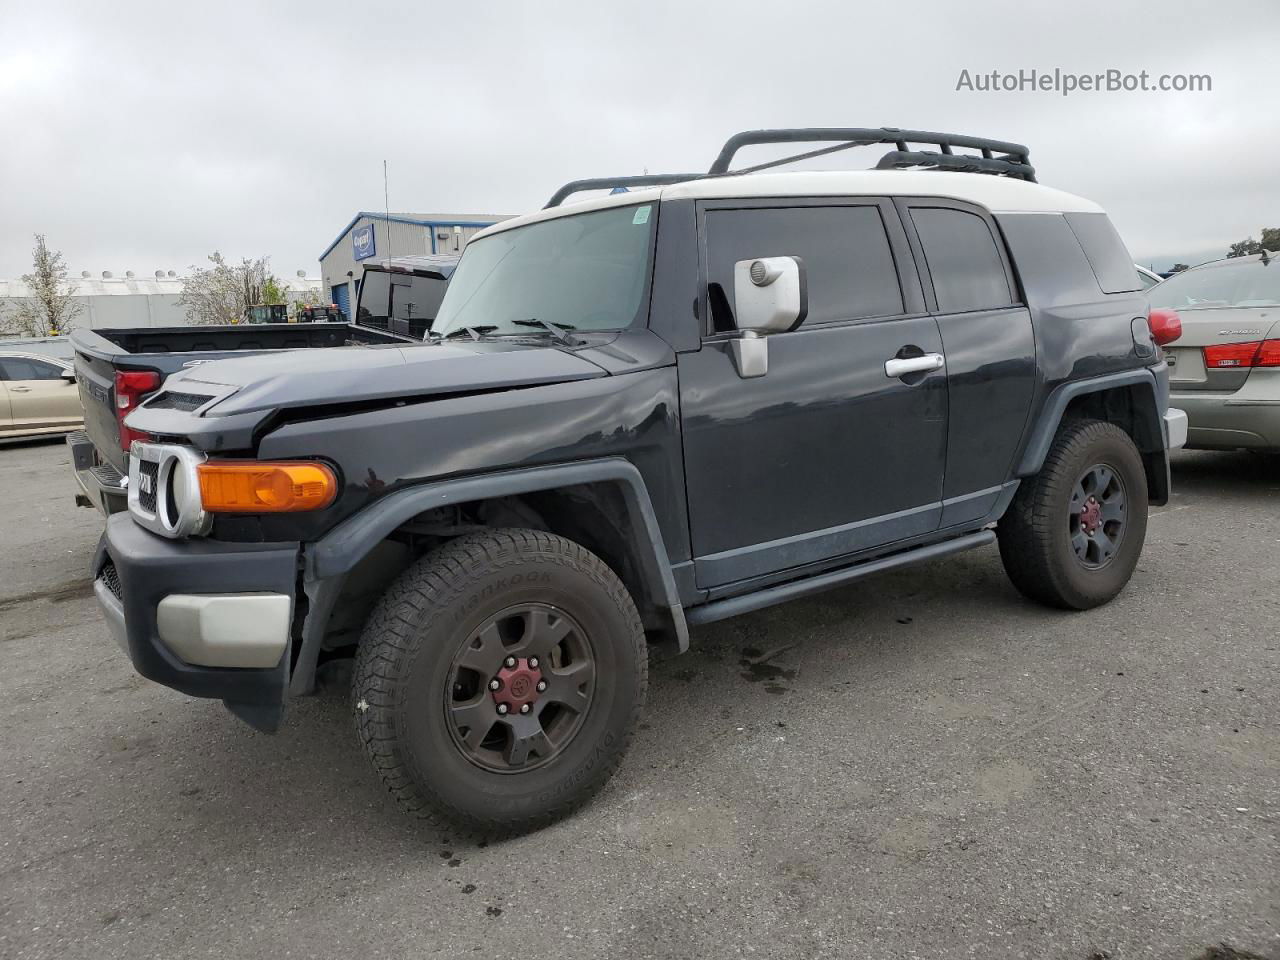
932 767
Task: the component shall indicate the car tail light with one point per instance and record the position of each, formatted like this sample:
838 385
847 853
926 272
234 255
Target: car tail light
132 387
1165 324
250 486
1232 356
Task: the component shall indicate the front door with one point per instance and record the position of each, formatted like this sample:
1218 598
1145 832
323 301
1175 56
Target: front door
829 453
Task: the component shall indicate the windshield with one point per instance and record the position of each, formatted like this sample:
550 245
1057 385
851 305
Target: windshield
588 271
1231 283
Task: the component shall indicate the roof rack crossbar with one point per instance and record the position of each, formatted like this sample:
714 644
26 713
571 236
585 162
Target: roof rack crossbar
1014 162
609 183
821 151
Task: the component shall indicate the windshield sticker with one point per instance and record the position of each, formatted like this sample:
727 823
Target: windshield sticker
642 216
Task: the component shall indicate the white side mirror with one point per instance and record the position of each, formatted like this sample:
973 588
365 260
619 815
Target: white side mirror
770 296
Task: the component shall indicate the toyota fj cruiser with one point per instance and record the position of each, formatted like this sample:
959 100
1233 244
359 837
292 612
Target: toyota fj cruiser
634 414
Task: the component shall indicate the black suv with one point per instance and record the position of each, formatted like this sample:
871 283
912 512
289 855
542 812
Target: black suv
636 413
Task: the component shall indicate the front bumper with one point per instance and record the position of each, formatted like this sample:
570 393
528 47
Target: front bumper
207 618
1229 421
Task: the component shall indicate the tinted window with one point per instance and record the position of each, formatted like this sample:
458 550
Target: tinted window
1111 262
1227 283
848 265
963 260
22 368
375 294
416 299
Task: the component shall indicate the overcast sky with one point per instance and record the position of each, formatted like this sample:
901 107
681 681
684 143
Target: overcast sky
145 135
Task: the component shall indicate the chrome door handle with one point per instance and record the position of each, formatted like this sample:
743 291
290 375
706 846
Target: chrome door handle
901 366
20 389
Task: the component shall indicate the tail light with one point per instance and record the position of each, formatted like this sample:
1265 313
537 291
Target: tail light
1232 356
1165 324
132 387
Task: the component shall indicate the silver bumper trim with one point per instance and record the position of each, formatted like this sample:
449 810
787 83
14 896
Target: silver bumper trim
1175 428
226 630
113 613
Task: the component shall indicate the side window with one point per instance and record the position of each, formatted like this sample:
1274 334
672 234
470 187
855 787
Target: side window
848 264
1111 262
963 259
24 368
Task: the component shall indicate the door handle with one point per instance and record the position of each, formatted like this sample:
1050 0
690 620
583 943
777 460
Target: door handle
20 389
901 366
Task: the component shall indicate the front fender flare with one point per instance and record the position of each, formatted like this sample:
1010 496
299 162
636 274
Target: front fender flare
329 560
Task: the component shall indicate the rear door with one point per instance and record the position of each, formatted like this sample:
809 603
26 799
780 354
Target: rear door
827 454
989 343
39 396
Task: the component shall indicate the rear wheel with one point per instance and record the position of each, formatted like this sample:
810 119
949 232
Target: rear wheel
499 680
1074 532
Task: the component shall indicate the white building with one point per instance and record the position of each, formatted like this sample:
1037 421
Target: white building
128 301
371 236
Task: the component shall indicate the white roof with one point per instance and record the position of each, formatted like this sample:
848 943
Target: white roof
997 194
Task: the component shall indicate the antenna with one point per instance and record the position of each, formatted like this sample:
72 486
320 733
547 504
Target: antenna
386 204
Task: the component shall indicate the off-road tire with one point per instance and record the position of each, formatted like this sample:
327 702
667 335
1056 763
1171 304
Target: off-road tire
1035 535
407 650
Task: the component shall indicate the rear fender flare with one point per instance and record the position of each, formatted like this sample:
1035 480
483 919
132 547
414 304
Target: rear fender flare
1046 427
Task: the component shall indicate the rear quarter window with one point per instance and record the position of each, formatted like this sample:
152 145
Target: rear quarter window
963 259
1105 251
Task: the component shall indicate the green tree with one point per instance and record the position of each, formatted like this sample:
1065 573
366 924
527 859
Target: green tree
273 291
1249 246
49 309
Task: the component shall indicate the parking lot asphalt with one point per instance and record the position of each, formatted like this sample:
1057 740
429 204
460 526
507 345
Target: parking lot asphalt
926 766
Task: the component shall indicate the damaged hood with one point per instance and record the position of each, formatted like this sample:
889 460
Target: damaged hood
340 375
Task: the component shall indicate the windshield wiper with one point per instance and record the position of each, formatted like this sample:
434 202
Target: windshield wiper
475 333
557 330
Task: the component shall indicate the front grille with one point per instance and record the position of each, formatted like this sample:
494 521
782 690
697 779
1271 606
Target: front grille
107 475
111 579
173 400
148 483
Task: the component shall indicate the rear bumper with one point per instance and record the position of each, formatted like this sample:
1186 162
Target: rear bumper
208 619
101 485
1229 421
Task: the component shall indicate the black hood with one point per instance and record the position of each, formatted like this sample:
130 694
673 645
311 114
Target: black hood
334 375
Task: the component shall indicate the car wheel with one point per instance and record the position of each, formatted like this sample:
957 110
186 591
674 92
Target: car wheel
1074 532
499 680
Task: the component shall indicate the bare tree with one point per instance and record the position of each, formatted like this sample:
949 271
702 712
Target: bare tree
220 294
50 308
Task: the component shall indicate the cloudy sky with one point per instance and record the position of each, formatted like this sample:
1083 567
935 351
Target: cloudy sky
144 135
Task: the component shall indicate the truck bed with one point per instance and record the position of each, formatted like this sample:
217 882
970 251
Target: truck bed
101 354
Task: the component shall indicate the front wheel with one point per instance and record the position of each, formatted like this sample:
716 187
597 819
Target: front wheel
499 680
1074 532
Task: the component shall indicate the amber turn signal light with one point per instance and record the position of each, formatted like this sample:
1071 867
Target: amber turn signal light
251 486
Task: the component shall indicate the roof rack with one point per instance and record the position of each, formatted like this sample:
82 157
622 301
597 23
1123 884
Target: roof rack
996 157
